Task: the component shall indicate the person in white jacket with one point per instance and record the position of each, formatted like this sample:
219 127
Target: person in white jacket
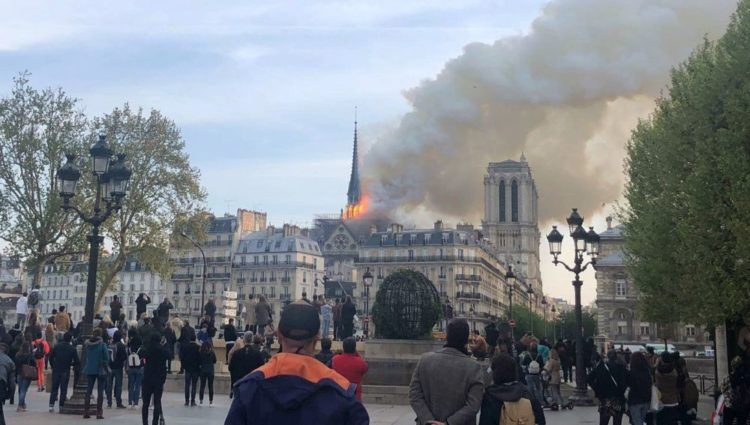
22 310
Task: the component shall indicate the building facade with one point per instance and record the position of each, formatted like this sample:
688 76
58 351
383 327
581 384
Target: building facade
64 283
460 264
280 264
222 238
511 222
617 299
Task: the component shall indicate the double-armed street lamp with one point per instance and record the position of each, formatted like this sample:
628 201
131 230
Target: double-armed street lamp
510 280
584 242
205 268
112 179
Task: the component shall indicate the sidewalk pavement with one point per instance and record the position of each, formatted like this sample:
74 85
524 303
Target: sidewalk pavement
176 413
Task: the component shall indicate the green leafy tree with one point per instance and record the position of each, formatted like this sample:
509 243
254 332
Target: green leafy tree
566 325
688 213
37 127
163 190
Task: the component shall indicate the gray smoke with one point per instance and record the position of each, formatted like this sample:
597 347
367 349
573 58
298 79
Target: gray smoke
567 94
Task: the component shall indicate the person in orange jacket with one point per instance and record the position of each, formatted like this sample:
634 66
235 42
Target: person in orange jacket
40 351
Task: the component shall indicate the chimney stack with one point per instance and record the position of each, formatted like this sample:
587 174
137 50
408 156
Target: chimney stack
396 228
439 225
609 222
373 229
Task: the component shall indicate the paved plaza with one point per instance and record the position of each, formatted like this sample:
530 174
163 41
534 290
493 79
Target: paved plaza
176 413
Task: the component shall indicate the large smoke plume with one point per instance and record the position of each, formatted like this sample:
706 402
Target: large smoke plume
567 94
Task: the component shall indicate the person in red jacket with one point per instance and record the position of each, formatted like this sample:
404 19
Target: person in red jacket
350 365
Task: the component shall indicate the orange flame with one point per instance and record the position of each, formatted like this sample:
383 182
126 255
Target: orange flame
357 210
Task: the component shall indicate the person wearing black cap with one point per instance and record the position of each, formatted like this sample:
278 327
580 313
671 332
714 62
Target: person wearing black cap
294 388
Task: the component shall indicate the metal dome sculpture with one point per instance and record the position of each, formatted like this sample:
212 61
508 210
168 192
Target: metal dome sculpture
407 306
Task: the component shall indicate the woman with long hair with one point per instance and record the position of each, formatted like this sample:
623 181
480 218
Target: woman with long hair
24 362
640 384
208 360
553 368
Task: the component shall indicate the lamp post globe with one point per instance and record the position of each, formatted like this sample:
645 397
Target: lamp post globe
67 177
101 156
574 221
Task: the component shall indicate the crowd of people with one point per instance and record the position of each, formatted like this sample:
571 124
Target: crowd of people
302 385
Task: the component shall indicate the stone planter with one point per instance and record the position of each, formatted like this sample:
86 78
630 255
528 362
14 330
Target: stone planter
392 361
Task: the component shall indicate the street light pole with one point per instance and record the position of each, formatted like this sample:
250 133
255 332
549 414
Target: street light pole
205 268
510 279
367 279
530 291
583 242
112 179
554 324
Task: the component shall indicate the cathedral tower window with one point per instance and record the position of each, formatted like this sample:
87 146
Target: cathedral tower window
502 200
514 201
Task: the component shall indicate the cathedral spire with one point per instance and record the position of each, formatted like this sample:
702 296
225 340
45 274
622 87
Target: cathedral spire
353 194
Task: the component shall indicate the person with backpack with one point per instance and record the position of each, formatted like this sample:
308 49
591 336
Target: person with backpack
61 359
507 401
532 363
117 358
34 297
688 406
609 382
96 371
553 368
41 350
154 355
135 368
208 360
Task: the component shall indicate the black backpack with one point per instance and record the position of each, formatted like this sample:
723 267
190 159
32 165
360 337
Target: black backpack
34 298
39 351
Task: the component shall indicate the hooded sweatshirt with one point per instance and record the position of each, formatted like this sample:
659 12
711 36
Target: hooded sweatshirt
295 389
96 354
496 395
666 383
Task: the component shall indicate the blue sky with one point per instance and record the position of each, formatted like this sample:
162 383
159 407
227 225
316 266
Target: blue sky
264 92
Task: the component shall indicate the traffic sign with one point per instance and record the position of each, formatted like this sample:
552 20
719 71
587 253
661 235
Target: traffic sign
512 323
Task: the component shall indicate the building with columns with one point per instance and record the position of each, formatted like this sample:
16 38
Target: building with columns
511 222
617 299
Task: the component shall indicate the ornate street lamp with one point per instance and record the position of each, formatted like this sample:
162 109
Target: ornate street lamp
583 242
510 280
367 280
205 269
112 179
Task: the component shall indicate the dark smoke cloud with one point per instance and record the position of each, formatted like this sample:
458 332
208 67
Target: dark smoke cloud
567 94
